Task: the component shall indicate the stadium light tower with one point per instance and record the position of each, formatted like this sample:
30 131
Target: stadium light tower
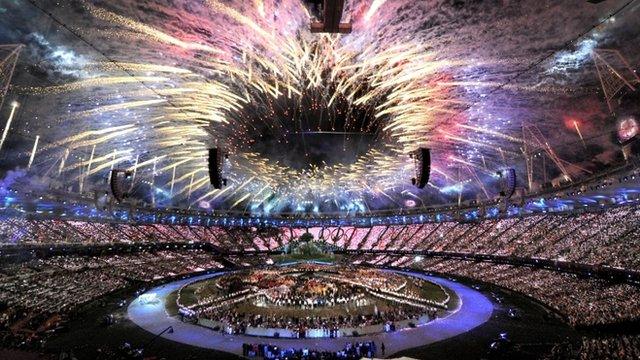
615 74
332 15
535 142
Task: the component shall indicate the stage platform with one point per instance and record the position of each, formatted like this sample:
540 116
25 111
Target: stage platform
473 310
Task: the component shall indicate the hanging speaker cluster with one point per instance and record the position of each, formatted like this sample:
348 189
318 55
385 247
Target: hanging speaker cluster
117 189
507 182
216 159
422 161
331 16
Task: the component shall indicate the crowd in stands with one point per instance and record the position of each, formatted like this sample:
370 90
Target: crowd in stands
19 231
609 237
609 348
621 347
35 295
585 301
271 352
39 294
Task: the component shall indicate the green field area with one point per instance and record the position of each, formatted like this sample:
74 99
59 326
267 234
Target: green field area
187 297
192 292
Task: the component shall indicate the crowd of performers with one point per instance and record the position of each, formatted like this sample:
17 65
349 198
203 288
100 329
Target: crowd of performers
277 298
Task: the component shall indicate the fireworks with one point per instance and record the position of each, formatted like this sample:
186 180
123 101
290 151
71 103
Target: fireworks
7 126
250 77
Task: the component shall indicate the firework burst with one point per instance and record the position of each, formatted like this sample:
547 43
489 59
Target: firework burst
249 77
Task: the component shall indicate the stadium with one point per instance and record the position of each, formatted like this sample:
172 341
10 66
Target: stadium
319 179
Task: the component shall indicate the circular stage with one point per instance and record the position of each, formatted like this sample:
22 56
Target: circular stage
310 305
313 301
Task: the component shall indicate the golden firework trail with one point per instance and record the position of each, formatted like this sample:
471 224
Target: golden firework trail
259 74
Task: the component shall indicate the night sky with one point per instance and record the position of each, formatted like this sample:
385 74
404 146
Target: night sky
497 65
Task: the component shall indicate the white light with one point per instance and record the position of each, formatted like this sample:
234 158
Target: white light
14 105
33 151
150 298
